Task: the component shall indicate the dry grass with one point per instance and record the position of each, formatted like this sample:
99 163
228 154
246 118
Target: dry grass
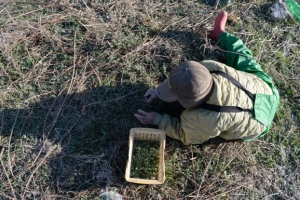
74 73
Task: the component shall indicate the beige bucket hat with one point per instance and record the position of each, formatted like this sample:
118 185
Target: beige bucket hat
190 83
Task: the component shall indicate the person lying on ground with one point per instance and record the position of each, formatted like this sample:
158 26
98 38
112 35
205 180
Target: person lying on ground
236 100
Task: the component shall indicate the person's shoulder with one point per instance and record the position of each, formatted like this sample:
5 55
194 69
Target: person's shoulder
213 65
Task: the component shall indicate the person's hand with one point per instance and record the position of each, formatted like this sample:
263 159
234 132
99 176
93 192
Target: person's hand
150 95
146 117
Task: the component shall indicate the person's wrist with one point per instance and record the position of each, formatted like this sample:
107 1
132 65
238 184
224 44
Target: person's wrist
154 117
158 119
155 92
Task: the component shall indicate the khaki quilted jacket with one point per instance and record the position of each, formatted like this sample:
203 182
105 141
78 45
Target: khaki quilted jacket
195 126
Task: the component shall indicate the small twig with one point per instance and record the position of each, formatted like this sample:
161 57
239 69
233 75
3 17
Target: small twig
221 171
189 195
271 195
6 174
38 166
193 161
1 129
8 197
9 143
116 99
247 9
206 170
227 191
233 157
7 13
27 13
250 57
286 135
91 25
86 6
69 89
196 184
208 15
218 1
74 66
174 23
36 96
55 120
238 33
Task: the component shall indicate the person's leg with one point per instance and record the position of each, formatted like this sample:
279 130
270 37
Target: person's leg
240 57
237 54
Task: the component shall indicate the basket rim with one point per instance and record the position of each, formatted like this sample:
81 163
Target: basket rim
161 149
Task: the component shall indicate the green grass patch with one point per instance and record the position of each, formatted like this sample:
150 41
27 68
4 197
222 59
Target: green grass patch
145 160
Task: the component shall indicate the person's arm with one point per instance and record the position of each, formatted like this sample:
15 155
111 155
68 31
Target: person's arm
170 125
194 127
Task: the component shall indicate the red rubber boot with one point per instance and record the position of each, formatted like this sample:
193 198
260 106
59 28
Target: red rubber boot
219 26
